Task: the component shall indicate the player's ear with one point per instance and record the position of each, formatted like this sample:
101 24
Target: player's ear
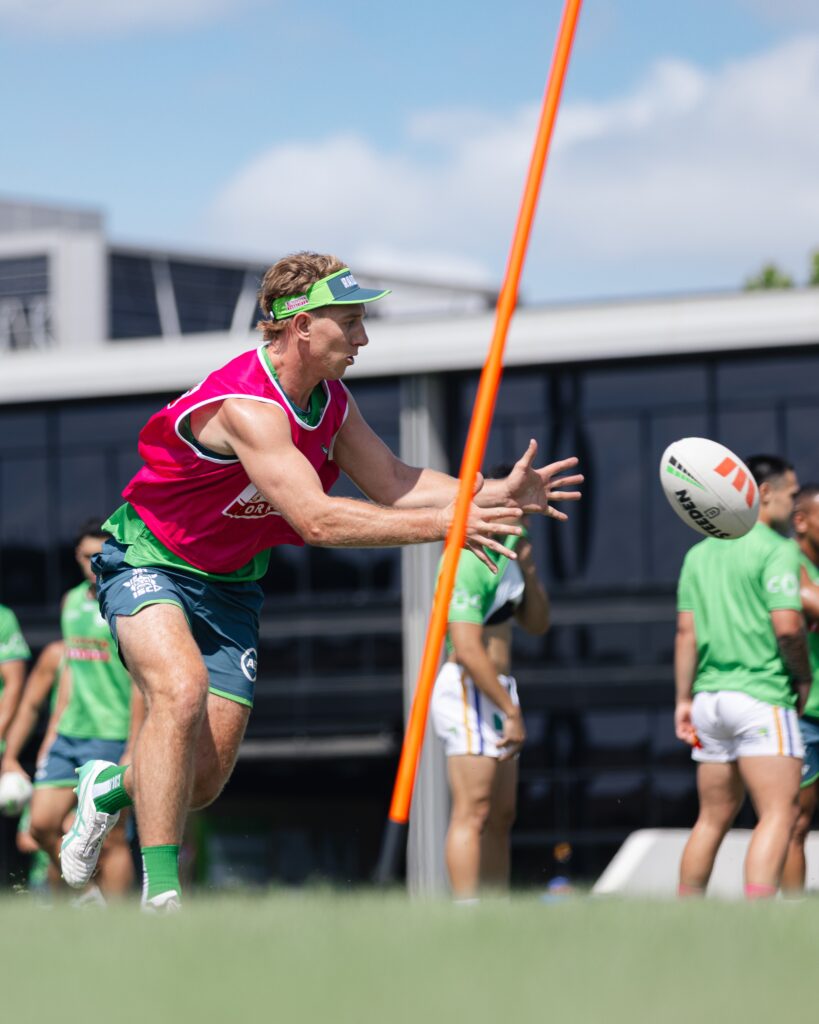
301 324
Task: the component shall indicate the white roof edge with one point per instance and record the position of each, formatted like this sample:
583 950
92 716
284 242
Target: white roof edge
539 336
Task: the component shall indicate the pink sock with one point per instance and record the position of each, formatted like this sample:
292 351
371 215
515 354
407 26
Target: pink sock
685 891
759 892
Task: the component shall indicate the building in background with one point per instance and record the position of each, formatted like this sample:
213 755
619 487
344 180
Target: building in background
94 337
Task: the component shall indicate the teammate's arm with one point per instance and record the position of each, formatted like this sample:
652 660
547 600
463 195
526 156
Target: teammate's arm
532 614
685 672
260 436
470 652
37 688
60 704
14 672
384 478
789 628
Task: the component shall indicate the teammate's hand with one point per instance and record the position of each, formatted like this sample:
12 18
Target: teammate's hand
481 523
683 726
534 490
10 764
514 736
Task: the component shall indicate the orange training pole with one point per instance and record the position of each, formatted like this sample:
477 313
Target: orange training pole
474 450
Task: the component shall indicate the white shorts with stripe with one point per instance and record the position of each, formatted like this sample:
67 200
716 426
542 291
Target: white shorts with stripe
464 718
730 724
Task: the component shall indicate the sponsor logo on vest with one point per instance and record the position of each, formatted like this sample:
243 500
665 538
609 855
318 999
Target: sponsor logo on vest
142 582
249 505
699 517
249 664
726 468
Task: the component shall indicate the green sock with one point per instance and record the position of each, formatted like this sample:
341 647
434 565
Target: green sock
110 794
160 865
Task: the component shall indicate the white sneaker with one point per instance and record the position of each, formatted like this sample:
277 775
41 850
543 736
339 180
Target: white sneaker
80 848
92 897
163 903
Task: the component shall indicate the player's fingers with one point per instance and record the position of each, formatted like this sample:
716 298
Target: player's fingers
528 456
479 553
555 513
478 483
500 513
565 495
568 481
494 545
547 472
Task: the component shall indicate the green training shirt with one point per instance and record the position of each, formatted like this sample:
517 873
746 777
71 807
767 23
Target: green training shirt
481 596
812 706
100 703
732 586
13 646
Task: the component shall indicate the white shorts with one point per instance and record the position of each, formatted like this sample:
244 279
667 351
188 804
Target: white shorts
464 718
730 724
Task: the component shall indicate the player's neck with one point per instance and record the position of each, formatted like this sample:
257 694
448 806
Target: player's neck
296 380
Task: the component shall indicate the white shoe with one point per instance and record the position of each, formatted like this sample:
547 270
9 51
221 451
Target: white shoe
81 845
92 897
163 903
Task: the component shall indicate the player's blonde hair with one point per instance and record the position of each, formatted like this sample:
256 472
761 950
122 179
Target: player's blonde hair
291 275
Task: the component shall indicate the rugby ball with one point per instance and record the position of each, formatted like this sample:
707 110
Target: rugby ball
15 793
709 488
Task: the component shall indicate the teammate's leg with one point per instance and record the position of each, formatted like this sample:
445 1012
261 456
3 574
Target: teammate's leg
116 871
49 807
470 779
495 839
720 794
793 874
773 784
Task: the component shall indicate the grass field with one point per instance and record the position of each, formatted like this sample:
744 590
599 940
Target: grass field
320 956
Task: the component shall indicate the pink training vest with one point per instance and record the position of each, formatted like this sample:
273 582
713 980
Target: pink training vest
206 509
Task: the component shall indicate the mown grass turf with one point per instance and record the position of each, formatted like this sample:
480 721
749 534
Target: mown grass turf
370 957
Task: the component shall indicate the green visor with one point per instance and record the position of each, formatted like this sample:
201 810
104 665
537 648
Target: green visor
338 289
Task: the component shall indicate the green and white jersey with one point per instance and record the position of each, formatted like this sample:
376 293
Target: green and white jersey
812 706
732 586
100 703
481 596
13 646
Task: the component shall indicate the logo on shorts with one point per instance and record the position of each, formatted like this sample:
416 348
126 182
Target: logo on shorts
142 582
249 664
805 768
250 505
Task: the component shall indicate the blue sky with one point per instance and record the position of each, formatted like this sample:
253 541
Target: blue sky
398 135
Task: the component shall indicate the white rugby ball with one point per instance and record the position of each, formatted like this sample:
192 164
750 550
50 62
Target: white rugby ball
709 488
15 793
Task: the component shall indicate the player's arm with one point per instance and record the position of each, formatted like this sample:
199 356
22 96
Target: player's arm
384 478
685 672
37 688
532 614
792 640
470 652
14 672
260 436
60 704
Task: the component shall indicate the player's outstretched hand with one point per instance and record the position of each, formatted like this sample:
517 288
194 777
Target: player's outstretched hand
484 524
514 736
534 490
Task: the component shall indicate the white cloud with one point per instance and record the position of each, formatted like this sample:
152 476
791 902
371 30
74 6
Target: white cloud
102 17
691 180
